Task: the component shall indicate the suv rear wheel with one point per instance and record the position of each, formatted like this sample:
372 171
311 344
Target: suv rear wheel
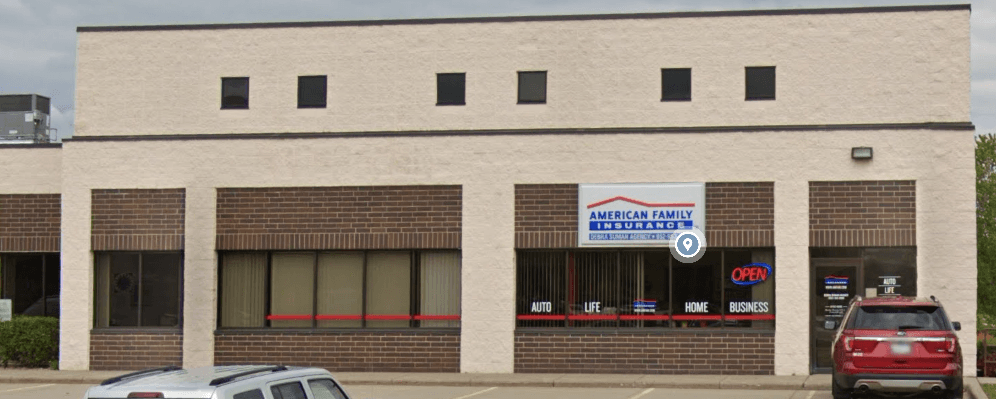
838 392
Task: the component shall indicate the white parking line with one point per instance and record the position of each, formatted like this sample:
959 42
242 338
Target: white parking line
26 388
477 393
811 393
640 395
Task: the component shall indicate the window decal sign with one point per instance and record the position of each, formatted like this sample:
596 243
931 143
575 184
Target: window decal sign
836 283
888 285
751 274
644 305
646 214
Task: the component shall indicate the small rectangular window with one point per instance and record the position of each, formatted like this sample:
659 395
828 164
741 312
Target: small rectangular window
137 289
450 88
760 83
311 91
676 84
253 394
234 93
532 87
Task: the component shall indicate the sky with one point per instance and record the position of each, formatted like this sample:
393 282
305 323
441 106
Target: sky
38 37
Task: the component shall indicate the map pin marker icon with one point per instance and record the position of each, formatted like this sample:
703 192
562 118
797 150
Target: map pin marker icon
687 243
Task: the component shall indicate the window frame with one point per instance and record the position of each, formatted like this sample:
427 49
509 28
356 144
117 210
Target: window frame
414 323
439 87
664 85
234 78
762 96
520 74
725 324
325 91
180 297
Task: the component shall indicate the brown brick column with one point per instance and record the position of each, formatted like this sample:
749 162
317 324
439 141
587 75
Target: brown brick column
30 222
137 220
371 217
114 350
862 213
669 352
340 218
417 351
740 214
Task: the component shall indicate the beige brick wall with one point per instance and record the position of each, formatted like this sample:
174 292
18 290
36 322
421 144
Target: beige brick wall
30 170
831 69
489 167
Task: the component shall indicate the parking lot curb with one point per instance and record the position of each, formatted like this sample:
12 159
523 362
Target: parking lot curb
973 388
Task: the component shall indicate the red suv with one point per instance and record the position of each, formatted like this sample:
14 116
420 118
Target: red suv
896 345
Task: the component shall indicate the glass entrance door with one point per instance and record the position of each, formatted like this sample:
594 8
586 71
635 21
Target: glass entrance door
834 282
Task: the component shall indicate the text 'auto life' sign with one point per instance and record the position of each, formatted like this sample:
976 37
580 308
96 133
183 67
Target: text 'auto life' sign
645 214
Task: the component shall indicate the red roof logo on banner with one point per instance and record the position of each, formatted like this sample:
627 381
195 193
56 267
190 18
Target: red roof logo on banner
647 204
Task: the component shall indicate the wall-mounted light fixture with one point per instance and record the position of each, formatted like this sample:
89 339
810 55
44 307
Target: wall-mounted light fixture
861 153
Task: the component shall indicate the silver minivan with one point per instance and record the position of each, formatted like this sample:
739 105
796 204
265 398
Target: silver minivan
222 382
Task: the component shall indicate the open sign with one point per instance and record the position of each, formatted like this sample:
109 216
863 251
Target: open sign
751 274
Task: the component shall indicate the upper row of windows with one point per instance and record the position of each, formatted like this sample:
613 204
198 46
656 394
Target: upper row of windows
676 85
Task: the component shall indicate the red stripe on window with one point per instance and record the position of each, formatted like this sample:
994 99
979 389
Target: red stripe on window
540 317
644 317
591 317
436 317
698 317
387 317
751 317
289 317
338 317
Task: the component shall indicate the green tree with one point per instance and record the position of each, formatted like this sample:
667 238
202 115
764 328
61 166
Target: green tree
985 202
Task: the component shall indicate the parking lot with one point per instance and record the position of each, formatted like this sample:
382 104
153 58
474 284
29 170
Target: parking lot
34 391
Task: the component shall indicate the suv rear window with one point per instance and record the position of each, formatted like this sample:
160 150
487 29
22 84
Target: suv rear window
899 317
253 394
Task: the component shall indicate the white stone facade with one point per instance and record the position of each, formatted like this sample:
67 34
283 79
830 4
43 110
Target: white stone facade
897 67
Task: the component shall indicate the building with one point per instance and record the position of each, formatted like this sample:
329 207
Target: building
419 195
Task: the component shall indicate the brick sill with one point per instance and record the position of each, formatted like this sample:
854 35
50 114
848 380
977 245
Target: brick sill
644 331
137 330
344 331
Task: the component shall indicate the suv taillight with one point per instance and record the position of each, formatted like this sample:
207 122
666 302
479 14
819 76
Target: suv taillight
146 395
952 344
848 343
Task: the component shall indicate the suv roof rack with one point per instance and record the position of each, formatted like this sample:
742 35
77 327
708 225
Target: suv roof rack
224 380
120 378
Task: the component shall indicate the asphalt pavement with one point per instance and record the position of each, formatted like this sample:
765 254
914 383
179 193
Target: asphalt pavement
58 391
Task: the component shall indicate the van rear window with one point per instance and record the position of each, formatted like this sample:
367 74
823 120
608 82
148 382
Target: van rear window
899 318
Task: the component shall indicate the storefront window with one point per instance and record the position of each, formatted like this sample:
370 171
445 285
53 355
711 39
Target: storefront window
699 295
541 299
890 271
347 289
640 289
749 289
137 289
31 282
